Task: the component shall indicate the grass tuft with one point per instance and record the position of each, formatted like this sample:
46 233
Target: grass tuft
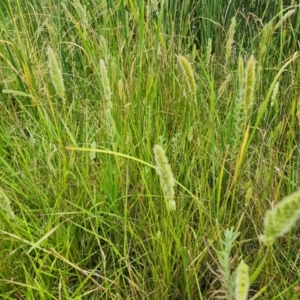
91 91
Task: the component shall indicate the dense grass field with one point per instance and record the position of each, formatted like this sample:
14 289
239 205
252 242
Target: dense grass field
142 144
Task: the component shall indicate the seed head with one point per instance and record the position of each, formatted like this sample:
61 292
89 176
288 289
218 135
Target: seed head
281 218
284 18
105 81
188 74
56 74
208 51
230 40
242 282
5 205
249 85
93 153
164 171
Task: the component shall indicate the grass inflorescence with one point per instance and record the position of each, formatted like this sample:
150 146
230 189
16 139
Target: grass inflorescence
145 147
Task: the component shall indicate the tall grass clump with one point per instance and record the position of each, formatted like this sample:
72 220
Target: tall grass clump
102 103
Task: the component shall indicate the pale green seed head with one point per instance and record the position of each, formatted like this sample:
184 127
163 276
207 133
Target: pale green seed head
223 88
208 51
274 94
242 282
5 204
267 32
190 134
93 153
109 124
105 81
241 71
83 16
164 171
121 89
284 18
188 73
249 85
281 218
230 40
172 205
56 74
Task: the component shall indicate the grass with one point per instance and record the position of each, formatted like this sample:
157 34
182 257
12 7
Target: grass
87 89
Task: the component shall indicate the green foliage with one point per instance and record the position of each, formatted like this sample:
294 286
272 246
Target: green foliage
88 88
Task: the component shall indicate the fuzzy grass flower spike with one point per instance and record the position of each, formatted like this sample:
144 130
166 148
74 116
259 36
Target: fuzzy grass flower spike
5 204
164 171
281 218
188 74
242 282
208 51
105 81
249 85
56 74
230 40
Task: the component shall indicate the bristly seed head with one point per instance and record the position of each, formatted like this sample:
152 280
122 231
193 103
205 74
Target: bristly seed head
281 218
242 282
56 74
5 205
208 51
230 40
164 171
188 74
249 85
105 81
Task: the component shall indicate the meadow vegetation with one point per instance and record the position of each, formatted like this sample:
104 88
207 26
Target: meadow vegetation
144 146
